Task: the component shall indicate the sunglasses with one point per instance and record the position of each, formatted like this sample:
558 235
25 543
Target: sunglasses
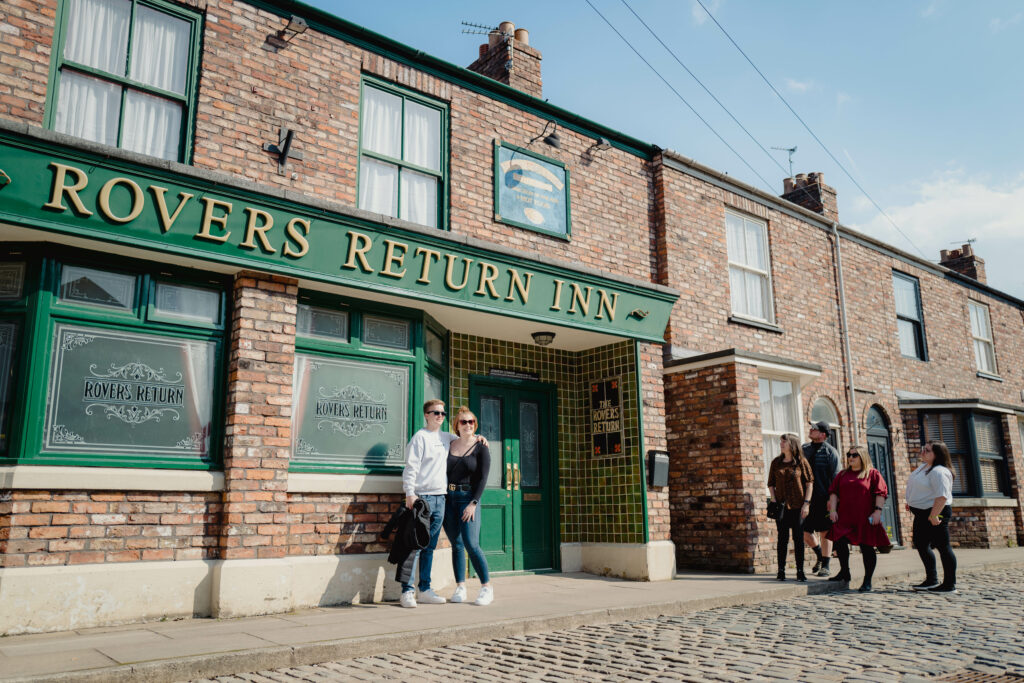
853 455
440 413
467 422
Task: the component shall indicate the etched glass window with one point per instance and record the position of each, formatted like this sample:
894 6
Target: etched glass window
97 287
435 346
121 392
314 321
8 346
529 443
187 303
750 287
387 332
12 281
433 387
490 427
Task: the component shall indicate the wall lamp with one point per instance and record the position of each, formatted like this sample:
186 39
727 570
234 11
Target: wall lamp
543 338
551 139
279 41
600 145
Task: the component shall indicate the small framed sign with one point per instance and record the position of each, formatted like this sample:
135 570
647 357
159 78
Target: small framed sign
531 191
605 417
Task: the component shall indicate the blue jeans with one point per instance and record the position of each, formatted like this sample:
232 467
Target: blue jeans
464 536
426 555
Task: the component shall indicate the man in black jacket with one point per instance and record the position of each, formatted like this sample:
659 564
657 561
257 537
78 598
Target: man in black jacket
824 462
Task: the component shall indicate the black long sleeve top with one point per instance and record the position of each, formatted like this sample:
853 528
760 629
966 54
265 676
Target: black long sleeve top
471 469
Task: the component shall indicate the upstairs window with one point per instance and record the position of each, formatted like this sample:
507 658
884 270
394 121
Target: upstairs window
126 75
750 286
981 333
401 154
909 321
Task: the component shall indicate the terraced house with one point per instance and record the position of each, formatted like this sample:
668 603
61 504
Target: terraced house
242 242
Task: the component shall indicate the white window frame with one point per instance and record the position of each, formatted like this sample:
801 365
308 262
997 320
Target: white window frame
769 302
985 343
774 432
833 420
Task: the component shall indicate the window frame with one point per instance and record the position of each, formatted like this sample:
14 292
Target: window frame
43 311
797 412
442 175
188 99
835 428
766 274
966 419
921 341
989 342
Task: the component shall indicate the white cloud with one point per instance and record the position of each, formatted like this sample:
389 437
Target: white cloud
698 13
841 99
931 8
996 25
799 86
945 211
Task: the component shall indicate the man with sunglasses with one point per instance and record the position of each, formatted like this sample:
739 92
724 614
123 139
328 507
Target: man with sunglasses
426 476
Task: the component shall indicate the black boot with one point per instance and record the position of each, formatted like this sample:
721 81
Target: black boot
781 576
843 575
800 575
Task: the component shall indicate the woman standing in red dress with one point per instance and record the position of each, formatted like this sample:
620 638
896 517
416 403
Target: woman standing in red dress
855 505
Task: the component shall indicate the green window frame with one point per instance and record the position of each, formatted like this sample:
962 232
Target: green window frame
401 161
61 66
354 346
976 446
46 318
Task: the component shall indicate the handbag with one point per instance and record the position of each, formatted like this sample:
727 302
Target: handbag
776 509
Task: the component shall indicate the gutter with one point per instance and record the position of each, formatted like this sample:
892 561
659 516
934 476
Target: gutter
844 331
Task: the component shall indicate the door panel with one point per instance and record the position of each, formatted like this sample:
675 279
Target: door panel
878 450
496 531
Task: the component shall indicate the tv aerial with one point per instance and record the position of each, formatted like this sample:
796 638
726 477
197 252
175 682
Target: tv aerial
791 151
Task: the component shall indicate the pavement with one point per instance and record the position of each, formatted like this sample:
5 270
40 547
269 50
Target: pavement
204 648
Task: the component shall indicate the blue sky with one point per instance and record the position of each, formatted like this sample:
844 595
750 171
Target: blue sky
921 101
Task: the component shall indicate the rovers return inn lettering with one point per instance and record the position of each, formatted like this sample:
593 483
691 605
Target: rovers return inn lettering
251 230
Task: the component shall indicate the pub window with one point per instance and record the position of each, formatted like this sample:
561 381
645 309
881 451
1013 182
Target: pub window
401 154
360 376
909 321
12 288
981 334
976 447
750 284
779 415
125 74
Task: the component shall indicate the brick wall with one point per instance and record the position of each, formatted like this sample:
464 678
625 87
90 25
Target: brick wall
27 28
338 524
522 74
973 527
653 388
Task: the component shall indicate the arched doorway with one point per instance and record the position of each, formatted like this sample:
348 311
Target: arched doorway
825 411
880 451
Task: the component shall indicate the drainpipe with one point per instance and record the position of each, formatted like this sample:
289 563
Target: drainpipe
845 332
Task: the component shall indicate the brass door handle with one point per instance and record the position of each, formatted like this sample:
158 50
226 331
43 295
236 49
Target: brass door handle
515 471
508 476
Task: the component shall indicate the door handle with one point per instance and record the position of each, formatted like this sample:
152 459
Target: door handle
508 477
515 471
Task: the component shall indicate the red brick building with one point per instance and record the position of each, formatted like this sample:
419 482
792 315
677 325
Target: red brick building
242 242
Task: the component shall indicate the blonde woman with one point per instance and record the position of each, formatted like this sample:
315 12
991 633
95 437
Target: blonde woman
855 505
469 461
790 481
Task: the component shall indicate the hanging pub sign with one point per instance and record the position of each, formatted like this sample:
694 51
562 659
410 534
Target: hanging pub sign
530 191
606 417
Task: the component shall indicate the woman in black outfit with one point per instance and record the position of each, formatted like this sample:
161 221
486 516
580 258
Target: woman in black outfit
790 480
469 461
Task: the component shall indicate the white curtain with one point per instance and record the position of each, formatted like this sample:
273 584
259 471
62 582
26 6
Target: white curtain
734 231
152 125
382 123
906 297
419 198
737 290
422 136
98 34
160 50
88 108
378 187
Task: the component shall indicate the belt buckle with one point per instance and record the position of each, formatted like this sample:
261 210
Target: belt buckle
451 487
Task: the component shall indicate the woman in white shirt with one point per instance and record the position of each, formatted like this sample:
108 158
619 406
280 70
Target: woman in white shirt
929 496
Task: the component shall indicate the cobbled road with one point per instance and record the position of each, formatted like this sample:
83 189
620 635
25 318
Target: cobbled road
892 634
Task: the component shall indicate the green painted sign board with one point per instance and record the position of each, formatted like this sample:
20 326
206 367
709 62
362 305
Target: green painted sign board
75 193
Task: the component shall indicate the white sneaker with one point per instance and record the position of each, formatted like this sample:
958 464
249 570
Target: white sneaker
485 597
429 597
459 595
408 599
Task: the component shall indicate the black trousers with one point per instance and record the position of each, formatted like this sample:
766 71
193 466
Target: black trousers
866 551
928 536
790 525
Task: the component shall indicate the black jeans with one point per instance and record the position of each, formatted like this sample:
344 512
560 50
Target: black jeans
790 524
866 551
928 536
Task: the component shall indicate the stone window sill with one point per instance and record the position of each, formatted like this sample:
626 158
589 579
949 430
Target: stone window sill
759 324
985 375
984 503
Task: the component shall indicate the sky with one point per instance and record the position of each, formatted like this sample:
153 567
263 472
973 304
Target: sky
920 101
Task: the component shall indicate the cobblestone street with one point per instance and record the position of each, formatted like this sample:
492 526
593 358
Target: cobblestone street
892 634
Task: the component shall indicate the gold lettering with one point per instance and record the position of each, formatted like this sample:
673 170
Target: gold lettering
516 283
297 237
60 189
603 304
488 274
209 218
355 251
558 295
166 221
138 200
578 296
430 253
390 257
451 258
259 231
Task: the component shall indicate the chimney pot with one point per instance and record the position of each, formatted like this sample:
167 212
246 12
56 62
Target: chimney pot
483 49
811 192
523 36
788 186
967 250
507 28
801 179
493 38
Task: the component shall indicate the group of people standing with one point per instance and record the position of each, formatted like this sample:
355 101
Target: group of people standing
448 471
821 504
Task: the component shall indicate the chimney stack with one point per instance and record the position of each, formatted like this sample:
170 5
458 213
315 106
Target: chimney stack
811 192
508 58
964 261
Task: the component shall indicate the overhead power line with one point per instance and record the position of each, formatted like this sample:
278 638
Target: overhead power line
679 95
808 128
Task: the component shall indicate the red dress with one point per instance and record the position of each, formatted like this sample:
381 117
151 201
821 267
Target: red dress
856 504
